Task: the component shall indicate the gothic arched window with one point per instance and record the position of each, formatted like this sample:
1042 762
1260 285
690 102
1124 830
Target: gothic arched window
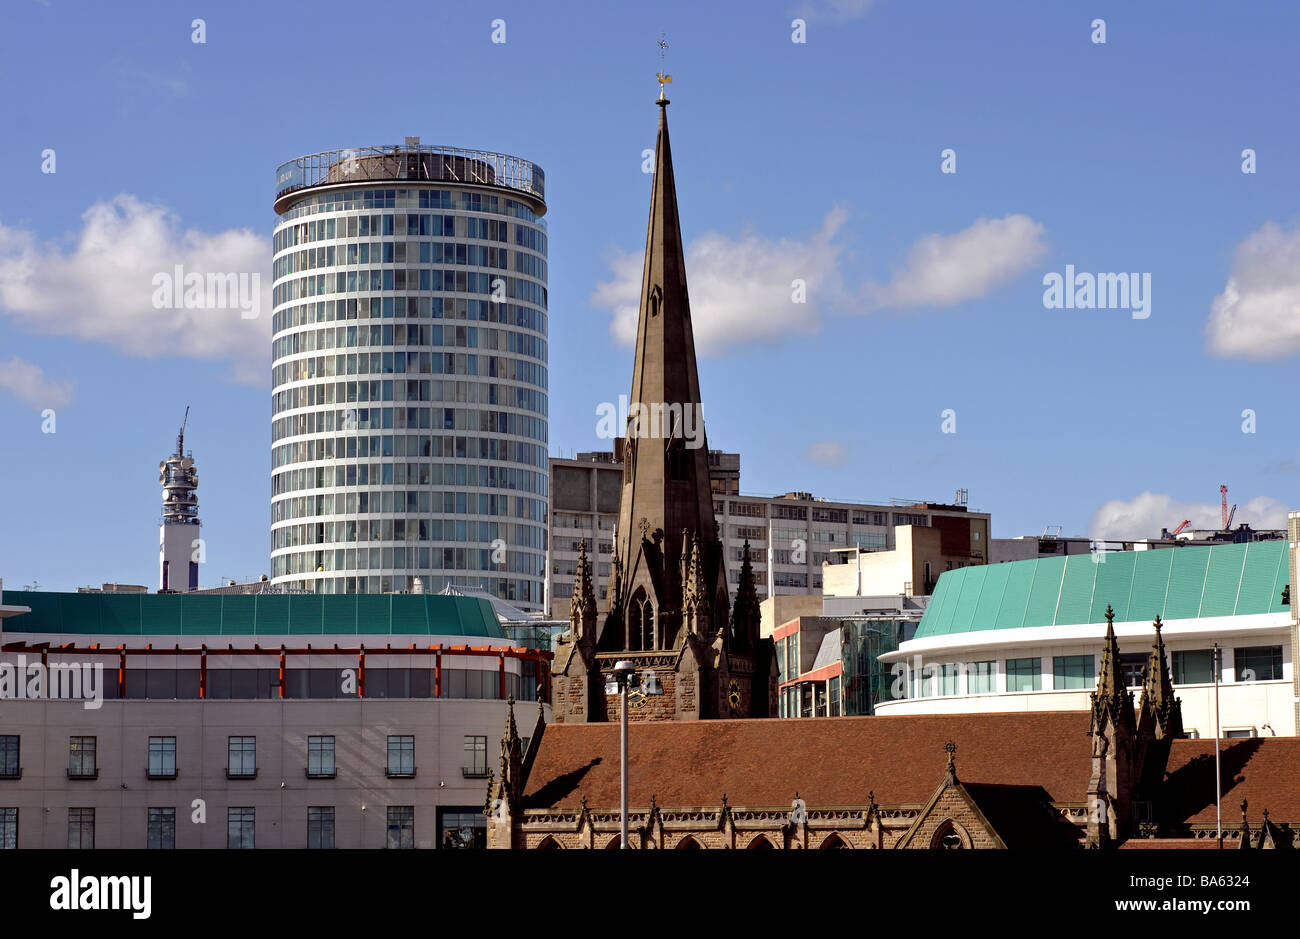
640 622
950 837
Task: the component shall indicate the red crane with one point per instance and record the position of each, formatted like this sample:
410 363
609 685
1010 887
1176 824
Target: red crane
1174 533
1223 505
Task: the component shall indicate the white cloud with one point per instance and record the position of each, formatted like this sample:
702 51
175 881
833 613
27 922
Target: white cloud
1258 314
835 11
827 453
941 270
1144 516
27 383
741 289
97 285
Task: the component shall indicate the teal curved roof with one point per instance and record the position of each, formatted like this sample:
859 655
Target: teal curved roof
1174 583
197 614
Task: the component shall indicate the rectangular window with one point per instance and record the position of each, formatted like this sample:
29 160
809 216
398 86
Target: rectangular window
1024 675
81 758
241 825
401 755
951 683
162 758
1193 666
81 828
835 696
921 681
1131 666
9 829
475 757
10 768
320 756
320 826
242 752
1072 671
1258 663
162 829
401 826
462 829
979 679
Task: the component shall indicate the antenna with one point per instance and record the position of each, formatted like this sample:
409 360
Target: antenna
180 437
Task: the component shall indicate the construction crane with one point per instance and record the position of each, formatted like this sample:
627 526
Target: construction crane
1223 511
1174 533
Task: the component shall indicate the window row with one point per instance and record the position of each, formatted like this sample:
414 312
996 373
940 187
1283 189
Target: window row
387 336
220 684
410 502
421 474
507 588
402 363
352 253
388 223
507 555
1078 672
502 288
373 308
241 762
350 200
444 446
461 828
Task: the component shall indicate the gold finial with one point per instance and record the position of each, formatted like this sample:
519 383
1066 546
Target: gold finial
663 76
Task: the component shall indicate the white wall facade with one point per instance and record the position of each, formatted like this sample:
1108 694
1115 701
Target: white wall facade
1246 707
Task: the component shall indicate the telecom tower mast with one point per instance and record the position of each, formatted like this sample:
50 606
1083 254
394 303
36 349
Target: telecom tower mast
178 537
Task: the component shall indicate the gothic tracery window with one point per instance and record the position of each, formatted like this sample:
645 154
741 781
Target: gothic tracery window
641 622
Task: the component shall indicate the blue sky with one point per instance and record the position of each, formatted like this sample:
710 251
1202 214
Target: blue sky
818 160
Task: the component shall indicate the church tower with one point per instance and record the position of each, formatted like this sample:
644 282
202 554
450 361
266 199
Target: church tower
667 609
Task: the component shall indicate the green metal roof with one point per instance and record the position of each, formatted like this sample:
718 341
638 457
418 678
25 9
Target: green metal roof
1174 583
251 614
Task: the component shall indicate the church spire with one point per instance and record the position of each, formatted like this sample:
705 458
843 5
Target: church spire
667 499
667 610
1111 699
1158 701
746 612
582 608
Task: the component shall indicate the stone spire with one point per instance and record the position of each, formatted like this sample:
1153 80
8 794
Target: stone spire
504 794
582 608
745 613
510 740
1111 700
696 600
668 607
666 490
1159 708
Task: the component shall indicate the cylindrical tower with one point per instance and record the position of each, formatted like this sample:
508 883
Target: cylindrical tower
409 377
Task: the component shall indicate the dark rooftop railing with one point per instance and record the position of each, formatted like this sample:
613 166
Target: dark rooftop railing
414 162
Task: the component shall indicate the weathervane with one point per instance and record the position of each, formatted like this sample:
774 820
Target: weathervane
663 76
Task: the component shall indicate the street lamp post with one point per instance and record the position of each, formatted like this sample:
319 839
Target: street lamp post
621 680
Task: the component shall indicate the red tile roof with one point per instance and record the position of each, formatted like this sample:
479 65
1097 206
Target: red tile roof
1262 770
832 761
1179 844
